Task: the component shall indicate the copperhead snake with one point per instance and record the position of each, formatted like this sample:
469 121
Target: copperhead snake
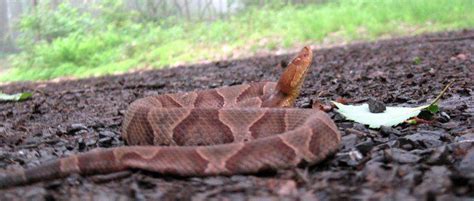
230 130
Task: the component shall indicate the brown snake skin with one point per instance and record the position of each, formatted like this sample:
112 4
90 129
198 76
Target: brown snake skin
230 130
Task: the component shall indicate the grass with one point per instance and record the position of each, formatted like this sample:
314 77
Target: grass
158 45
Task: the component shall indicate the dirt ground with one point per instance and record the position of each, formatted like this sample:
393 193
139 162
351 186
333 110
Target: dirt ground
432 161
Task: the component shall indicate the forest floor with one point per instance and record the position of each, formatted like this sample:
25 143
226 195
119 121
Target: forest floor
407 162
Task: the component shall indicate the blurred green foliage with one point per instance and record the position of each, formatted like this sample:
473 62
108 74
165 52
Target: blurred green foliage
65 41
46 24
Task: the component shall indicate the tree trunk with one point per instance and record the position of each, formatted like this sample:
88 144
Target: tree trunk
4 24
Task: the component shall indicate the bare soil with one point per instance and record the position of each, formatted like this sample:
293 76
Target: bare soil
431 161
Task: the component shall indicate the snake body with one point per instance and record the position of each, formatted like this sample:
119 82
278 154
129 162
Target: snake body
239 129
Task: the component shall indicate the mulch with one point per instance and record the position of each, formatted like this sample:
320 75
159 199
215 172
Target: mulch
430 161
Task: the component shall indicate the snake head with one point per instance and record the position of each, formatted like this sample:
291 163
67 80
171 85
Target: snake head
292 79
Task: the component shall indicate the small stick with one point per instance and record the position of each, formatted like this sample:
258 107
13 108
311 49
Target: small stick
442 93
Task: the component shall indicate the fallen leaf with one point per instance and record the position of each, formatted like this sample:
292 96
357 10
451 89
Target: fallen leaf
323 107
15 97
390 117
343 100
417 120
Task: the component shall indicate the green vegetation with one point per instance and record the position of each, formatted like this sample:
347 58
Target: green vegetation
66 42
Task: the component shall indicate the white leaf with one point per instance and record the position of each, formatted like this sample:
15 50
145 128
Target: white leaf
15 97
390 117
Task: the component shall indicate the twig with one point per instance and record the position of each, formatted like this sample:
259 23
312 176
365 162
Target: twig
442 93
357 132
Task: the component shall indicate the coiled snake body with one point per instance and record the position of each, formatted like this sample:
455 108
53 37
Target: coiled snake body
230 130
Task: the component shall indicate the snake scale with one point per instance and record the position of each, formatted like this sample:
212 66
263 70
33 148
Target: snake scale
240 129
